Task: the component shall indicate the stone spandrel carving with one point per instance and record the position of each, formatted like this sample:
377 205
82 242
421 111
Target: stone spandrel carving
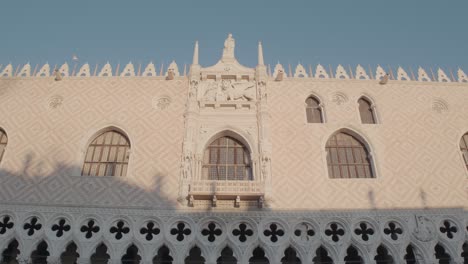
424 230
227 90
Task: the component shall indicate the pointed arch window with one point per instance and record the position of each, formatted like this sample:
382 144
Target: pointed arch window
314 110
348 157
107 155
226 158
464 148
366 111
3 143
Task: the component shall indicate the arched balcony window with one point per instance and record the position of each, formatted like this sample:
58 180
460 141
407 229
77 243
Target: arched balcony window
366 111
348 157
464 148
3 143
226 159
313 110
107 155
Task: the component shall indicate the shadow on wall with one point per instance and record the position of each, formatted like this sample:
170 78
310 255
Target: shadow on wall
62 186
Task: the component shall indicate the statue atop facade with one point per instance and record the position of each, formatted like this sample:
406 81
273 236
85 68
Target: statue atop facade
229 45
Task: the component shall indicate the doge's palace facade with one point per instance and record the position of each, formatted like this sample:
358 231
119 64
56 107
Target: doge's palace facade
231 164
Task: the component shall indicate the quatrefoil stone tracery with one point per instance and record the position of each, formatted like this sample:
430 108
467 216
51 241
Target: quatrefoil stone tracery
364 231
180 231
448 228
335 231
89 229
243 231
61 227
120 229
393 230
150 230
32 226
274 232
211 232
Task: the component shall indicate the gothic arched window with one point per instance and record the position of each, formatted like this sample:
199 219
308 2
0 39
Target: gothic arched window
464 148
348 157
3 143
313 110
107 155
366 111
226 159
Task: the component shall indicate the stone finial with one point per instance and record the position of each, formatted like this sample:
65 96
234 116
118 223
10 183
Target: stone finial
422 75
7 71
300 71
380 72
441 76
361 73
195 54
278 72
260 54
25 71
129 70
402 75
461 76
320 72
64 70
150 70
44 71
106 70
173 70
85 71
341 72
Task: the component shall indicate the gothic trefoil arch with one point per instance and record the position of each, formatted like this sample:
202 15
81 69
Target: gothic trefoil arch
107 155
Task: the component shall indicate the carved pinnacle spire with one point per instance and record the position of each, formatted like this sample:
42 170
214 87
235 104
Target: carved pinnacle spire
260 54
195 54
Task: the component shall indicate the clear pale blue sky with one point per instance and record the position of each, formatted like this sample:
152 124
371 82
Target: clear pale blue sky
430 33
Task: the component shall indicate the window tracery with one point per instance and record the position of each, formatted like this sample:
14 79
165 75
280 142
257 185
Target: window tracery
366 111
3 143
348 157
226 159
313 110
107 155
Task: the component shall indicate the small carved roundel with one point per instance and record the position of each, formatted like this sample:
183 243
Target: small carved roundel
55 101
161 103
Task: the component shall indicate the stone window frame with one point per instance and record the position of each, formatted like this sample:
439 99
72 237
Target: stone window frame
4 145
364 141
91 137
464 159
320 108
372 107
239 145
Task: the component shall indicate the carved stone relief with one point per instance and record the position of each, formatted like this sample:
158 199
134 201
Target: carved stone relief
226 90
339 98
55 101
161 103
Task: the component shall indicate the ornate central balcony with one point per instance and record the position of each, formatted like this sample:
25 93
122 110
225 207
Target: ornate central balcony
203 189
